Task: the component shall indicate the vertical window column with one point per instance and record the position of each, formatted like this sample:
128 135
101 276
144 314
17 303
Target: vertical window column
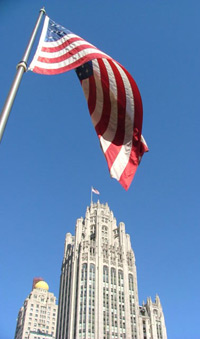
113 287
106 313
132 307
91 316
83 302
159 330
122 321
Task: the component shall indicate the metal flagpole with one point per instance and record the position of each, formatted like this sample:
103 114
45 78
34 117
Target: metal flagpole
21 68
91 195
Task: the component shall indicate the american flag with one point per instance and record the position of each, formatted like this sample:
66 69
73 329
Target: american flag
112 95
94 190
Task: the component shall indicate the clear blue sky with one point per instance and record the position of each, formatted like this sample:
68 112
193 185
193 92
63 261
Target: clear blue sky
50 155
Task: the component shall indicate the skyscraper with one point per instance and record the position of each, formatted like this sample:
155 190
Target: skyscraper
38 315
98 296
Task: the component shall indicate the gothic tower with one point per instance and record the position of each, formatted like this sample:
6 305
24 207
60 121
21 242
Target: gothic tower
98 296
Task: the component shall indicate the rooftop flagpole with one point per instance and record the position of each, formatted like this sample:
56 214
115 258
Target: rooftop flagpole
21 68
91 195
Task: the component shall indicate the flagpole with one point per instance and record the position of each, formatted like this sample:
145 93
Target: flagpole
91 195
21 68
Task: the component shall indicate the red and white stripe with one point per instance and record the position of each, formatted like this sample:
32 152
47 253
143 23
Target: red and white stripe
112 95
115 107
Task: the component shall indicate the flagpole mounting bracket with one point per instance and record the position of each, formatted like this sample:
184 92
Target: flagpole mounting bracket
22 64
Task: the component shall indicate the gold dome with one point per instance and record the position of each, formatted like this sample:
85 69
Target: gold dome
42 284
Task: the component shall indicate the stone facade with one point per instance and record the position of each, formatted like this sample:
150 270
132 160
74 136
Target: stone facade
38 316
98 296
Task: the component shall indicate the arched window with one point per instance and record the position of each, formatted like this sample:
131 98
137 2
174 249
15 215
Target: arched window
105 274
113 276
130 281
120 278
92 232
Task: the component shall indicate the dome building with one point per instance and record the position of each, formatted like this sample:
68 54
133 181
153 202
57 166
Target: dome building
38 315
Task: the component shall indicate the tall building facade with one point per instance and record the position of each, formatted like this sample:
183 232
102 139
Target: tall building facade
38 316
98 296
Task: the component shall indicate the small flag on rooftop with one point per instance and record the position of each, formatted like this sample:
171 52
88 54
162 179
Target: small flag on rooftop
112 95
95 191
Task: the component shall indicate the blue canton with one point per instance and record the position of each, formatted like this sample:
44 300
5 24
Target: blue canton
55 31
85 71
